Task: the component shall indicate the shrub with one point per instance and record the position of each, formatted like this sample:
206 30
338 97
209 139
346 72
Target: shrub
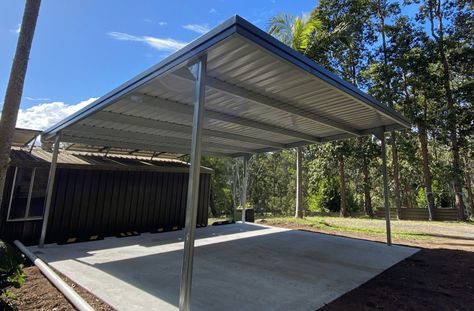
11 274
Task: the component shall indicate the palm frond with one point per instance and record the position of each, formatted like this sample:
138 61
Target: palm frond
280 26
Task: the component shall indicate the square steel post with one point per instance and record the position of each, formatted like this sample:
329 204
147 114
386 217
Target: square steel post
299 181
199 70
381 135
49 189
243 195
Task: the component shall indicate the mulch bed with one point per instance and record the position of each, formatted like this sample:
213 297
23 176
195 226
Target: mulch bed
39 294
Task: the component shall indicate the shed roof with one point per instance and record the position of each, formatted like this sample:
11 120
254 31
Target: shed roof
22 137
86 160
260 96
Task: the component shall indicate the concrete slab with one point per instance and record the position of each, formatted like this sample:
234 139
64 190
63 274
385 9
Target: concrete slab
237 267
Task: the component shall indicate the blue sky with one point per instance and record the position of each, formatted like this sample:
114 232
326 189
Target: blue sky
84 48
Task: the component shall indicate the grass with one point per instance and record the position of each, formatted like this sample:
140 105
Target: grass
372 227
404 231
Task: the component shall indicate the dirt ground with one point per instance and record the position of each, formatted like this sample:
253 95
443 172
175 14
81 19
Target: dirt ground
39 294
432 279
439 277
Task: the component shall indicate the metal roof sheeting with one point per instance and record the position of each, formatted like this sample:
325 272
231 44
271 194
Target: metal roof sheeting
260 96
39 158
22 137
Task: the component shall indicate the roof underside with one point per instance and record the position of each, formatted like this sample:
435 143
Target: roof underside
260 96
22 137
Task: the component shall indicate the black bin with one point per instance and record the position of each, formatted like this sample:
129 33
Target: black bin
250 215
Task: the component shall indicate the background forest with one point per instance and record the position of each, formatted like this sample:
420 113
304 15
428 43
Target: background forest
417 57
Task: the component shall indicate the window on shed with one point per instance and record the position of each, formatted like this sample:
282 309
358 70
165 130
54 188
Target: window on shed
28 193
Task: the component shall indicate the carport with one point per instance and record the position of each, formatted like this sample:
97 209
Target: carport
234 92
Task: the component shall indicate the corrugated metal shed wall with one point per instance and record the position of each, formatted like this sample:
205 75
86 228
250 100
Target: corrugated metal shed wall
107 203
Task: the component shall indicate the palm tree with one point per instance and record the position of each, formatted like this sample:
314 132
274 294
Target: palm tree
14 91
295 32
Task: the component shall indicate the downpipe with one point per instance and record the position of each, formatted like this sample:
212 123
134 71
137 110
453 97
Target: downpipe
65 289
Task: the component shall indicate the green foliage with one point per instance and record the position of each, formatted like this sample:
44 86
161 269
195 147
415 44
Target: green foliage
327 198
396 59
11 274
421 198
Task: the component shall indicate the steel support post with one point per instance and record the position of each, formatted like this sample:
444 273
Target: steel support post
199 70
49 189
299 180
243 195
385 189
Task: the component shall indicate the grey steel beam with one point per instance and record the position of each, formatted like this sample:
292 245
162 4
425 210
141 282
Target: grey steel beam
371 131
141 146
49 189
185 109
178 128
193 186
78 130
240 92
380 134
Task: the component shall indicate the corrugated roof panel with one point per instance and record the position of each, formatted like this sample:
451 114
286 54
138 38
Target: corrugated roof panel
259 93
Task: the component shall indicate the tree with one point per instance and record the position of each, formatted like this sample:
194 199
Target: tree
436 12
411 57
347 55
296 32
385 10
15 86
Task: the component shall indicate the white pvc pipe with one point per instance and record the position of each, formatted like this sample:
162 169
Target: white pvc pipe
67 291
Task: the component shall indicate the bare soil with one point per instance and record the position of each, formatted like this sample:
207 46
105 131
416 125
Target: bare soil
432 279
39 294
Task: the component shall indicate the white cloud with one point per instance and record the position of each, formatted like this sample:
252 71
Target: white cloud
160 44
213 10
44 115
199 28
36 98
150 21
17 29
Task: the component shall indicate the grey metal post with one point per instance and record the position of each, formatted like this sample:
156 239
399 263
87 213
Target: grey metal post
385 189
243 195
49 189
299 199
199 70
234 192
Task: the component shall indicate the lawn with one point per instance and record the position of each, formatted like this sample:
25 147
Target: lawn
434 234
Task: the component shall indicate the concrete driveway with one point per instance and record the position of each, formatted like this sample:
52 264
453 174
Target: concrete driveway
236 267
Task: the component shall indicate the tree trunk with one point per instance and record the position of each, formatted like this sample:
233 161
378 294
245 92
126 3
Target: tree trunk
436 10
299 196
342 183
470 197
422 136
367 199
396 175
15 86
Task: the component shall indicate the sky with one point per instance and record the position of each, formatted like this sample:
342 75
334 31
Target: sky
84 48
